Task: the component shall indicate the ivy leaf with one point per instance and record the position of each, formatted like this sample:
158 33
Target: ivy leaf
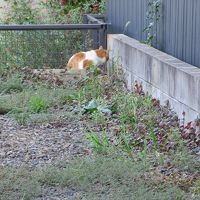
91 107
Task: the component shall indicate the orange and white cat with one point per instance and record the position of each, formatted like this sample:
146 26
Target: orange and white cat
84 60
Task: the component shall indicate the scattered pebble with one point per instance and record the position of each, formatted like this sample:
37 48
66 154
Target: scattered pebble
38 145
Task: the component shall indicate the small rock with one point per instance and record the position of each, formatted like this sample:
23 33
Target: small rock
67 145
196 150
2 154
9 153
163 170
28 157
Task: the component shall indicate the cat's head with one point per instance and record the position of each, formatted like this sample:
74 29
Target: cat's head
102 53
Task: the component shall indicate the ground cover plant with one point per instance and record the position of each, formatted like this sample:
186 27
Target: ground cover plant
84 136
132 147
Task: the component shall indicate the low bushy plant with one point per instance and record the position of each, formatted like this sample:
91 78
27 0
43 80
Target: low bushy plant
38 104
21 12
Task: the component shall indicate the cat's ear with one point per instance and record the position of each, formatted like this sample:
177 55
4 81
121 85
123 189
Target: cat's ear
100 47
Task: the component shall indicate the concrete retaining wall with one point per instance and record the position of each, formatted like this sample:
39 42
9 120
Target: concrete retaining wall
162 75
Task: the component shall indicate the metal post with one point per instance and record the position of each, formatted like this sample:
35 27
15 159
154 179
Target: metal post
103 36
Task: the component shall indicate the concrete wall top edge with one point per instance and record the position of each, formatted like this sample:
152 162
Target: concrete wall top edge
157 54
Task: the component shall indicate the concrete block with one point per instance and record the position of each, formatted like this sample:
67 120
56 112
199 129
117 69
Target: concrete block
162 75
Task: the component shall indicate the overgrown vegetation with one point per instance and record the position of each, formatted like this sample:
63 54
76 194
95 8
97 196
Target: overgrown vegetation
153 17
51 11
44 49
138 148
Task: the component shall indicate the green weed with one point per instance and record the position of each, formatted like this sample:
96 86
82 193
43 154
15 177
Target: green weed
144 153
19 115
125 140
38 104
98 118
99 144
79 96
12 84
196 187
181 156
127 107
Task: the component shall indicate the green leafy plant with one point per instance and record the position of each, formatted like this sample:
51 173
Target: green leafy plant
143 154
125 140
93 107
99 144
79 96
21 118
94 70
12 84
21 13
153 16
153 138
37 104
160 157
56 13
72 12
127 109
103 6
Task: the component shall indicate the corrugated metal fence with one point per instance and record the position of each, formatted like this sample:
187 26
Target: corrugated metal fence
178 29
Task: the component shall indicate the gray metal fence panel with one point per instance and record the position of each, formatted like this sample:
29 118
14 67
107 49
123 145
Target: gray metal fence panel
39 46
178 31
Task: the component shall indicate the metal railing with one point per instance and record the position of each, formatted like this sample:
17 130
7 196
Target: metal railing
102 33
47 45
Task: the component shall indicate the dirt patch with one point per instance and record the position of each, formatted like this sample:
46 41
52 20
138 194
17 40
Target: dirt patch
4 8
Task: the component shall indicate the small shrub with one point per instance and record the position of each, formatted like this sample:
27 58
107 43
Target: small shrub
19 115
37 104
21 12
12 84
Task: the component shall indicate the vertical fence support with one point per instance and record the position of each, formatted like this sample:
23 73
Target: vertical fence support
101 35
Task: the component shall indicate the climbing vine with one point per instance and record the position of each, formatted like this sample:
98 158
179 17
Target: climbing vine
153 17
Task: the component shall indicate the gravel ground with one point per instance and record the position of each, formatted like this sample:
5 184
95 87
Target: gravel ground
38 145
57 193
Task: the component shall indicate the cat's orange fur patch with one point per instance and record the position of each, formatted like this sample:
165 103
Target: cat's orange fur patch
77 58
101 53
87 64
84 60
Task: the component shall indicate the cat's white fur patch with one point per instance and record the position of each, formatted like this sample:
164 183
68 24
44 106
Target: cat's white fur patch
91 55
